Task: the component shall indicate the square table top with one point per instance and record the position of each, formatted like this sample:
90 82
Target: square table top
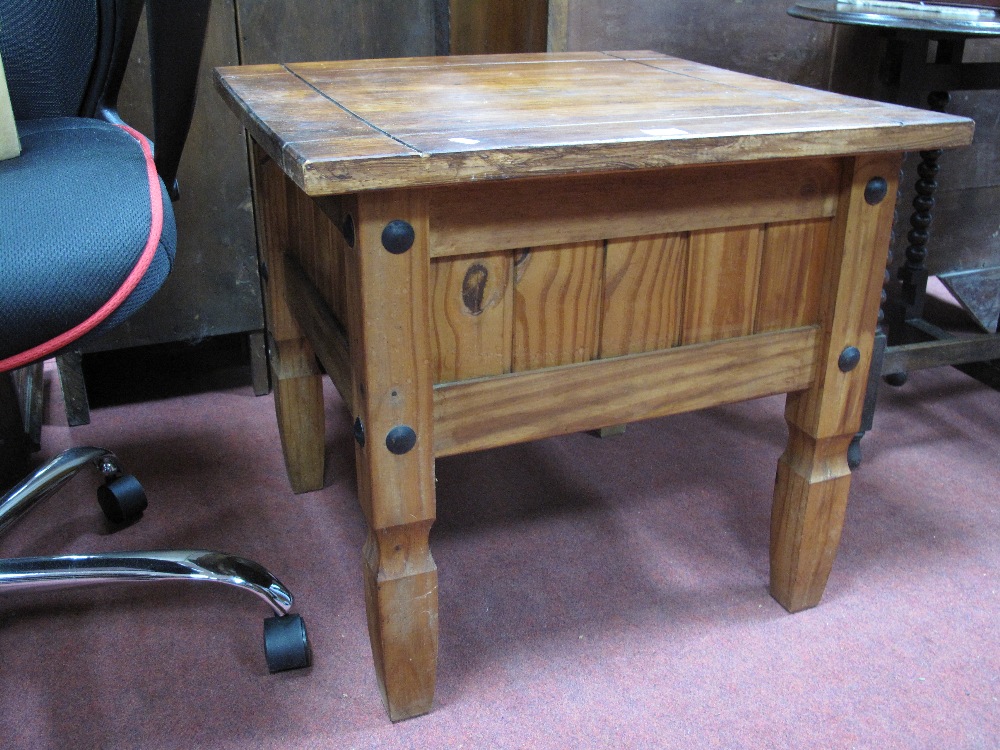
346 126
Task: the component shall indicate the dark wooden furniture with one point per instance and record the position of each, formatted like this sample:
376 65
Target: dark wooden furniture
918 58
694 236
476 27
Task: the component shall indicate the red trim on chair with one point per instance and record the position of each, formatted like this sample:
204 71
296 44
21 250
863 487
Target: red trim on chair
130 283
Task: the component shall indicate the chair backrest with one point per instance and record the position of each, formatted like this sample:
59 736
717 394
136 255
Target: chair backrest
68 58
49 48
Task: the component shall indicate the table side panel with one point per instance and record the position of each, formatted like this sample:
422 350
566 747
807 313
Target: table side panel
322 329
500 311
722 282
557 297
298 390
472 314
792 250
652 269
502 215
303 255
318 248
490 412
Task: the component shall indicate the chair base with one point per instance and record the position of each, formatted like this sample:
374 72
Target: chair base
286 643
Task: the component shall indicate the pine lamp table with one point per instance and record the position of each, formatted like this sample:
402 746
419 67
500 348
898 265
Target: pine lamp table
487 250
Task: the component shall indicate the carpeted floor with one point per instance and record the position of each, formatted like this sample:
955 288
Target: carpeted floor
594 593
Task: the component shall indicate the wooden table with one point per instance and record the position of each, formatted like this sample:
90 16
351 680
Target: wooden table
487 250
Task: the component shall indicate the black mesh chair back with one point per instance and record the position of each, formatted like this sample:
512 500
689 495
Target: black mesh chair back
49 48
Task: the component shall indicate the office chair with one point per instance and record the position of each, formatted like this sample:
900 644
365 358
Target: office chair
87 236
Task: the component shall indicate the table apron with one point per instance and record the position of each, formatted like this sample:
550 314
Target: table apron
490 216
479 414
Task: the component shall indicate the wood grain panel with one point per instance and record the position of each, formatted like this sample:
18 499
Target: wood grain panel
496 26
791 274
643 294
497 117
319 248
472 316
507 214
723 274
557 292
510 97
272 196
533 405
326 335
282 111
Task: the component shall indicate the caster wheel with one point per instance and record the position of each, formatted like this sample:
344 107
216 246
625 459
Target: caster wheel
122 499
286 643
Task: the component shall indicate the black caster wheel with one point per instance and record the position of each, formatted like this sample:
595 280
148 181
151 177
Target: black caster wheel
122 499
286 643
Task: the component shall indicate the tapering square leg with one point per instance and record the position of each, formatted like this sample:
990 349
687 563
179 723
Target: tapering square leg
298 385
813 477
389 330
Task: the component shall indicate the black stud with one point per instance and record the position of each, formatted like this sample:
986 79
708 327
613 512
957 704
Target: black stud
397 237
876 190
400 439
849 359
359 432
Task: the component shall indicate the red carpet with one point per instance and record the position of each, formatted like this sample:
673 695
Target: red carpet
594 593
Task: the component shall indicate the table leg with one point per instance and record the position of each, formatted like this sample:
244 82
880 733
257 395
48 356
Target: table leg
388 273
810 499
298 385
298 405
813 478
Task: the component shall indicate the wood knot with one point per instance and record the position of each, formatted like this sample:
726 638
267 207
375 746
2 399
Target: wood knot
474 285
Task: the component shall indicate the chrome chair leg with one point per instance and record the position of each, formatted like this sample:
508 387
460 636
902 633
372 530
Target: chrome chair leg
286 643
27 573
47 479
